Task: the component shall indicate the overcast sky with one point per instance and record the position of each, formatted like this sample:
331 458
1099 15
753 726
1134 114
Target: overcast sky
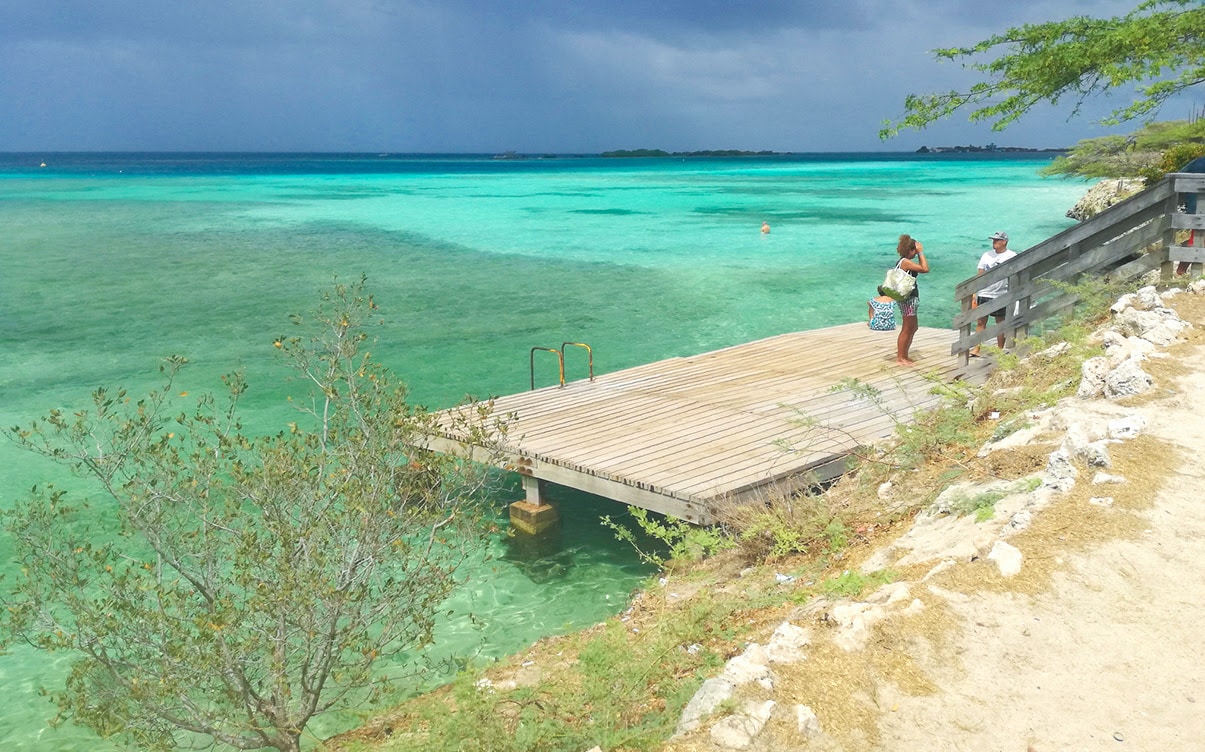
490 75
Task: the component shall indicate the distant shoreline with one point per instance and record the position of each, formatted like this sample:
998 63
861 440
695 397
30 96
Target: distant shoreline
968 149
59 164
704 153
508 155
988 149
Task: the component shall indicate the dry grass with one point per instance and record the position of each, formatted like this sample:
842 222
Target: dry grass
844 689
1191 308
1071 524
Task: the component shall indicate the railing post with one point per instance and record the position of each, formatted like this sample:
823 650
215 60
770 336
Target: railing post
1168 269
1018 282
965 330
1198 241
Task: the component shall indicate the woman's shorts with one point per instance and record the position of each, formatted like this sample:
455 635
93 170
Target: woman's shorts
908 306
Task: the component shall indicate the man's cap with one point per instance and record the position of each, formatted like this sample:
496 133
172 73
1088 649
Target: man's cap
1000 236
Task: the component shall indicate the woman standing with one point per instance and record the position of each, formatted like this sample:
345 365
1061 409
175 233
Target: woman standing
912 260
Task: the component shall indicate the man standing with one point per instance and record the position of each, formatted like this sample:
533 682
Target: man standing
986 298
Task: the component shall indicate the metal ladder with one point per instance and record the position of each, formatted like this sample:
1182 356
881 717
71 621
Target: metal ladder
560 356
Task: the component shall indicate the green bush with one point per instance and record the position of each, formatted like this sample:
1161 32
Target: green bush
850 583
678 539
1173 159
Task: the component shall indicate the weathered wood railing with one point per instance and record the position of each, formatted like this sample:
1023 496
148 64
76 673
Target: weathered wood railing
1123 241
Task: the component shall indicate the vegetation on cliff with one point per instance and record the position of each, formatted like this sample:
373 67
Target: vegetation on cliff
1152 151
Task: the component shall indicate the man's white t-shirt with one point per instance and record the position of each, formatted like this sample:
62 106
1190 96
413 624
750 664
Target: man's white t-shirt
991 260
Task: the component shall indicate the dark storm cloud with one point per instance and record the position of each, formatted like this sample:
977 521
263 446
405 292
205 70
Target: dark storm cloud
673 17
232 22
542 75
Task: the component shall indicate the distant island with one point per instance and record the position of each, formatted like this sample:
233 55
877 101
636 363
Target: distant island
707 153
630 153
973 148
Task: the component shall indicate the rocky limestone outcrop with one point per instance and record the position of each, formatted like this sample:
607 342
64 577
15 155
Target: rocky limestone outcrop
1081 428
752 667
1103 195
1141 325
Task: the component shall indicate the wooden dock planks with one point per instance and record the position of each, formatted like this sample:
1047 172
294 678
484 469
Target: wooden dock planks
689 433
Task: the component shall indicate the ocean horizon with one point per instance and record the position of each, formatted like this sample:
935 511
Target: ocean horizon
111 261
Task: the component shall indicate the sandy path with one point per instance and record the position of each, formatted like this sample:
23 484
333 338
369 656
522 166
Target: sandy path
1111 658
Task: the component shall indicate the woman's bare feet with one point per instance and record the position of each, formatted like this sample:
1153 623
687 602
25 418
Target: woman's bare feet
904 362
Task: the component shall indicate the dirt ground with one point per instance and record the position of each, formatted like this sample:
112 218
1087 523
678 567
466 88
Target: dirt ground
1110 656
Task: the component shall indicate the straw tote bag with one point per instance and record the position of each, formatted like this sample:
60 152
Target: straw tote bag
899 283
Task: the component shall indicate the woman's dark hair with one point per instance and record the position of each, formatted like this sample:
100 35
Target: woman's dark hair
907 243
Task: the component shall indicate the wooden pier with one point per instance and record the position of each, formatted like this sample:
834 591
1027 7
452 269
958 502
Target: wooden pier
686 435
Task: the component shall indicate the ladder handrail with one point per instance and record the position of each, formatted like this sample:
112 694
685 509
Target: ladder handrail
589 352
560 359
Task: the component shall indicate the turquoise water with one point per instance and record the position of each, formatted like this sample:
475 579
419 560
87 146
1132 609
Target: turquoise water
110 262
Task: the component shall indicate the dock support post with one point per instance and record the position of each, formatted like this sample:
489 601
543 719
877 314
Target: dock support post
533 515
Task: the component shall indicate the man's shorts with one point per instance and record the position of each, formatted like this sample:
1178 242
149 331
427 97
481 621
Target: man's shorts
988 303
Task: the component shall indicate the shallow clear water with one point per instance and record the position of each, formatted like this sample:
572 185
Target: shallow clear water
110 262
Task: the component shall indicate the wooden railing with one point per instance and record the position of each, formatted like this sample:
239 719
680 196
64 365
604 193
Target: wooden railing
1122 242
